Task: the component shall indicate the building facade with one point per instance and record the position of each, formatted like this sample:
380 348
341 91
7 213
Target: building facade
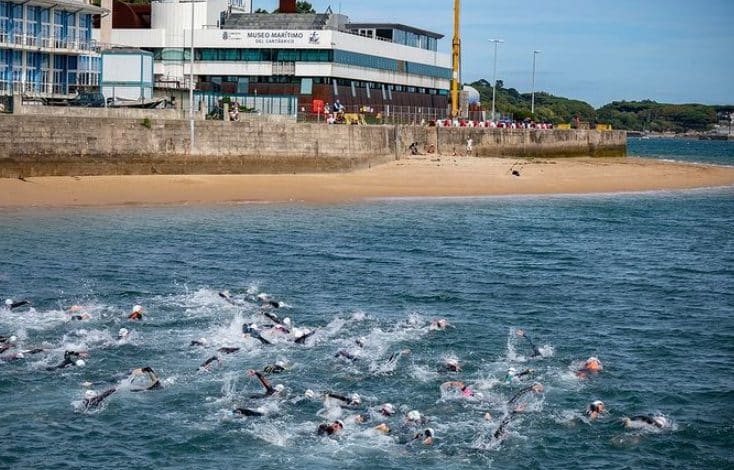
46 47
311 56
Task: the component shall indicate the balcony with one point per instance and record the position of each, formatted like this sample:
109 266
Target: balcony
64 46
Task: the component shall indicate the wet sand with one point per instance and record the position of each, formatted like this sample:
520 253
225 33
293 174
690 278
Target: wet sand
410 177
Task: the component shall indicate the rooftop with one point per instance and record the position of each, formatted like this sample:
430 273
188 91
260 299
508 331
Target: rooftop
276 21
398 26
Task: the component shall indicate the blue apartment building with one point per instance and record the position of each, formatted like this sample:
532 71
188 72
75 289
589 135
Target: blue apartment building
46 47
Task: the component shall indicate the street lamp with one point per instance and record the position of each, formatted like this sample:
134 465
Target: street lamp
494 74
532 86
191 85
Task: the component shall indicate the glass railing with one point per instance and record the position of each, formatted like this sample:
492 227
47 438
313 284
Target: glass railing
69 44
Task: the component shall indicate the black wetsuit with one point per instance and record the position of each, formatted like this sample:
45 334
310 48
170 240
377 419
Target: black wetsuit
500 432
519 395
206 363
18 304
346 400
156 383
249 330
346 354
536 351
326 429
196 342
271 316
227 298
248 412
647 420
274 369
70 358
269 389
96 401
302 339
228 350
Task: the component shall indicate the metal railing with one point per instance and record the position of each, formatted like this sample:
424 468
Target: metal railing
260 104
406 115
69 43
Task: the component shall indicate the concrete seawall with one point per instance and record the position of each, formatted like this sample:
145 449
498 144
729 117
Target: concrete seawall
79 146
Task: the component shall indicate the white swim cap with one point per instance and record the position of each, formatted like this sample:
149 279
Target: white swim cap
123 333
13 339
429 432
479 395
597 402
203 341
20 355
279 388
263 296
511 370
660 421
309 393
297 332
287 321
89 394
80 363
8 302
253 326
414 415
388 408
226 293
137 308
452 362
339 422
280 363
355 398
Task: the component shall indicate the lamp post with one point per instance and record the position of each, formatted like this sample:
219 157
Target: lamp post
191 85
494 73
532 86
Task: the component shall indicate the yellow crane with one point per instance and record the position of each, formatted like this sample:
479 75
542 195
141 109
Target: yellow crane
456 61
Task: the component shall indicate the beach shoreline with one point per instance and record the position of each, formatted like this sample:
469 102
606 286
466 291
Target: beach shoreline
414 177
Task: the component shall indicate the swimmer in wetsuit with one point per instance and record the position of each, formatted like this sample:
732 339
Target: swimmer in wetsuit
11 305
93 399
595 409
137 313
452 365
353 400
252 330
512 373
330 429
227 298
501 430
301 339
425 437
71 358
535 388
248 412
592 366
207 365
154 382
269 389
536 352
226 350
276 368
659 422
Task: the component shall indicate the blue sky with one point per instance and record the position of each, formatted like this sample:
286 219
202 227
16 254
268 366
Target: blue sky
596 50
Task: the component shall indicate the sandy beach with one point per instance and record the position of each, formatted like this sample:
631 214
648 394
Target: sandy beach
410 177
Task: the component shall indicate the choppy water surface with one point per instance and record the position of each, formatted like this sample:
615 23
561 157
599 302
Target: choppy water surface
687 150
644 282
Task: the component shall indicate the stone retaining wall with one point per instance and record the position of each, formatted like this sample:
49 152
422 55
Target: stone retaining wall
77 146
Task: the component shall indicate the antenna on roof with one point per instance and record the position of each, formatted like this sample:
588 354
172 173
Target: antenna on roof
329 11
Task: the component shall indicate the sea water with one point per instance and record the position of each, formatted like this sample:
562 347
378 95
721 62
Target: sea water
643 281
